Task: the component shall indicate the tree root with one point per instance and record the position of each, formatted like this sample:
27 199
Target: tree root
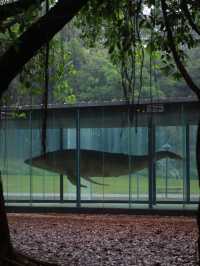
17 259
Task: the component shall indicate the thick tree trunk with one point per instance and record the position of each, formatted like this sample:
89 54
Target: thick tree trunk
9 257
6 249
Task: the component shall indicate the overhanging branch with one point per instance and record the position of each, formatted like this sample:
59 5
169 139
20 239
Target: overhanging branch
17 7
176 57
191 85
35 37
189 17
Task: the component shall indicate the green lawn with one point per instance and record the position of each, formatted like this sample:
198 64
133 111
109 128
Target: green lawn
49 183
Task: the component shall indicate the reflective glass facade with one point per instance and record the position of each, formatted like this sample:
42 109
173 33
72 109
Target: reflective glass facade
102 156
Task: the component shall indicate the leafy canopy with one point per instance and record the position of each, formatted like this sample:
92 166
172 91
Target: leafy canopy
129 28
136 34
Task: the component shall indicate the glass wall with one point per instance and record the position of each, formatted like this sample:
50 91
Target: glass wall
116 162
68 136
29 176
194 181
15 145
170 170
44 183
110 157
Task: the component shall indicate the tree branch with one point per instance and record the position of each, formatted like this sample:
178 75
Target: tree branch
191 85
35 37
176 57
189 17
17 7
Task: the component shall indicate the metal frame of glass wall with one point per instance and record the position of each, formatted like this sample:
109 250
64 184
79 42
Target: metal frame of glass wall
152 198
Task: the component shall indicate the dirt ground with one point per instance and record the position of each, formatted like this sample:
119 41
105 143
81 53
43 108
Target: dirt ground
79 239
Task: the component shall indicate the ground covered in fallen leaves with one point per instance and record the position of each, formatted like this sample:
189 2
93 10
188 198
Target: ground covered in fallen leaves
80 239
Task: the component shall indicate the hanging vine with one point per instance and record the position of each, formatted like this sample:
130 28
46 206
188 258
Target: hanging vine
46 93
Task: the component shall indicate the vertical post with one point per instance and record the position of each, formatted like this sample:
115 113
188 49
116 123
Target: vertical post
187 165
31 154
129 156
153 164
166 178
78 185
104 147
151 153
61 175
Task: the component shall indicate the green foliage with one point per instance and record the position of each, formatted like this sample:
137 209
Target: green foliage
96 78
64 93
125 47
78 73
126 28
18 115
32 78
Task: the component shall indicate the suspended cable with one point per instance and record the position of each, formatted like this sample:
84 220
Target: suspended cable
46 93
141 56
141 52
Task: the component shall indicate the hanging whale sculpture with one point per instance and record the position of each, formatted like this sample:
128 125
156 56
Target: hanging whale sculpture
95 163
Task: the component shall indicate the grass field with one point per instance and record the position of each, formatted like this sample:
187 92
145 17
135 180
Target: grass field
18 180
49 183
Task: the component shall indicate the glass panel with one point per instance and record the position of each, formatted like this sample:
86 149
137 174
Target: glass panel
49 177
170 170
16 180
194 182
110 164
111 155
44 184
28 175
140 162
69 142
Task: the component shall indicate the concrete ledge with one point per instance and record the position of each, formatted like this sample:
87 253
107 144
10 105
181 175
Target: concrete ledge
45 209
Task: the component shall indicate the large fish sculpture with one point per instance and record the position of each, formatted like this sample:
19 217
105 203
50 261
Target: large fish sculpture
95 163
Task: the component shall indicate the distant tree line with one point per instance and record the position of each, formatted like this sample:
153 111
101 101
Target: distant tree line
81 73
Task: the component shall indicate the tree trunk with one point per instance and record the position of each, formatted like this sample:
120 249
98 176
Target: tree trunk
8 256
6 249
